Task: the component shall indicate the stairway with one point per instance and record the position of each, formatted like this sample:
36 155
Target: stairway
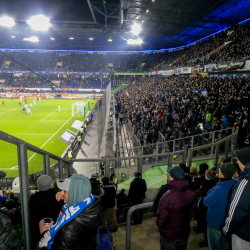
146 237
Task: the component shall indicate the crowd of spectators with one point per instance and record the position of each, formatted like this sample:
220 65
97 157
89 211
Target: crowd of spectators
181 107
216 198
237 48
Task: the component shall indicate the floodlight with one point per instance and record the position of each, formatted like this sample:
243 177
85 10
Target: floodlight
91 38
7 21
33 39
12 36
71 38
39 23
136 29
52 38
110 40
134 41
147 11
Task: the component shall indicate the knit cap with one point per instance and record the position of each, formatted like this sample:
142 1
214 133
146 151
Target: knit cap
244 156
228 169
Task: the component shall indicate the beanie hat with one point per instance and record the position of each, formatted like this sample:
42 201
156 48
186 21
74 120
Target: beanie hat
79 189
228 169
244 156
44 182
176 173
210 174
137 174
2 174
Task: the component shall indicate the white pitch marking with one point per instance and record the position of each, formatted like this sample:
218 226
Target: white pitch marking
48 115
54 120
50 138
9 111
28 134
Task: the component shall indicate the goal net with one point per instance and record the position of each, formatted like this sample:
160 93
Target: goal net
78 109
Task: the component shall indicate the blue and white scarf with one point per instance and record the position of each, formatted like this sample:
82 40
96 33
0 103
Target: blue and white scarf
66 215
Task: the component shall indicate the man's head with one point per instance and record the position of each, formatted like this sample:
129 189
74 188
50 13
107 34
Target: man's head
105 180
203 167
137 174
176 173
227 170
75 189
2 174
44 182
243 157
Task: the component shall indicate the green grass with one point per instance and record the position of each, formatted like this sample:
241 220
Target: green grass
114 91
156 177
42 129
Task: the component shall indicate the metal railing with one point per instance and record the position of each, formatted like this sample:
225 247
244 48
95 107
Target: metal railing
180 143
128 221
224 146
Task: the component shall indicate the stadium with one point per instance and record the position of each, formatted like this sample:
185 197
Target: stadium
125 125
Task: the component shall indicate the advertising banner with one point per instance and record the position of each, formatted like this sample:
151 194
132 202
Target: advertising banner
222 66
58 72
59 63
199 69
237 64
166 72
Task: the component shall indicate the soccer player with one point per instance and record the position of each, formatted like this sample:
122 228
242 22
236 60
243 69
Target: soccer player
31 105
34 102
28 111
59 109
39 99
24 108
2 102
20 104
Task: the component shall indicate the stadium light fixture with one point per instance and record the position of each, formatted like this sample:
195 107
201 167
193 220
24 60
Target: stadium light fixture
110 40
71 38
7 21
52 38
91 38
136 29
147 11
39 23
12 36
33 39
134 41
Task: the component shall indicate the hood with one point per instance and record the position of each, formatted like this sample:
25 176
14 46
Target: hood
180 186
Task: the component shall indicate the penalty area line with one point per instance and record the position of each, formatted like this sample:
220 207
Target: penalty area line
9 111
48 115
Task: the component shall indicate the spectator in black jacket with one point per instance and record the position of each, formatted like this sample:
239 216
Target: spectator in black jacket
201 177
136 195
77 224
108 204
43 204
237 221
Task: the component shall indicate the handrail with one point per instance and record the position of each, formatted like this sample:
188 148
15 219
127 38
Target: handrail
128 221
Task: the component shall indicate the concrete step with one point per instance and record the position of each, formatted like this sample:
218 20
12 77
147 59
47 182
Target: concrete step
146 237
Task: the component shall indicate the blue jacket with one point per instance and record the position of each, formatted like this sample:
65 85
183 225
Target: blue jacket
238 212
217 201
2 198
224 121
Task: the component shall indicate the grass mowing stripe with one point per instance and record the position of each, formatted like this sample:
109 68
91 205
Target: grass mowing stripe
9 111
48 115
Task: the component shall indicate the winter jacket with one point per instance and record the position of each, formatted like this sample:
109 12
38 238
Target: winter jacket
162 191
238 212
43 204
217 201
8 236
109 196
137 190
176 207
80 233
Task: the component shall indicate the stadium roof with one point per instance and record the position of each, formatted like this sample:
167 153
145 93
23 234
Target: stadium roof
165 23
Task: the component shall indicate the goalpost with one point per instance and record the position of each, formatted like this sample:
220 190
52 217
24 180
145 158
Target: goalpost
78 108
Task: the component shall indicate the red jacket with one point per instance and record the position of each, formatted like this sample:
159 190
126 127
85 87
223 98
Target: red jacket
176 207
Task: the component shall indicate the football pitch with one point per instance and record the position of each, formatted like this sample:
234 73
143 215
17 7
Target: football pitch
42 128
